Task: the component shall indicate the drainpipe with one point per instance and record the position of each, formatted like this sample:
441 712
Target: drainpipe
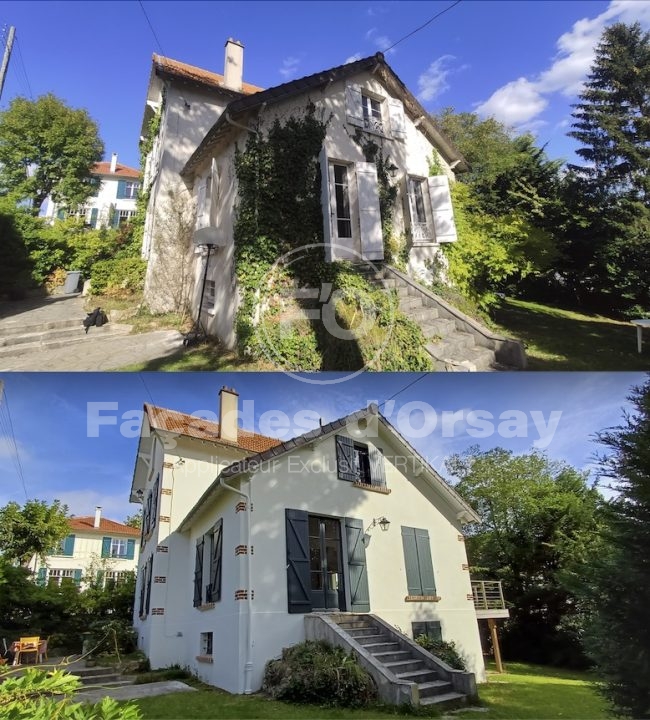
234 123
248 662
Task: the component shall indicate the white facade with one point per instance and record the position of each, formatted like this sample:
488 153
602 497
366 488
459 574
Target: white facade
94 545
255 614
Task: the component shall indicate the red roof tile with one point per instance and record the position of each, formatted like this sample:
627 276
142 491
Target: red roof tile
190 426
87 524
197 74
122 171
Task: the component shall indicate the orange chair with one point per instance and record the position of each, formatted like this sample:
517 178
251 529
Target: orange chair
28 645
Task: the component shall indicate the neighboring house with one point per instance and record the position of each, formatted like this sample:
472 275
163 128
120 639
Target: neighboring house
245 538
115 200
94 545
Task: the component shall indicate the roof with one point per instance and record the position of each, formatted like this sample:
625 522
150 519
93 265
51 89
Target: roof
374 63
254 462
86 523
178 69
121 171
191 426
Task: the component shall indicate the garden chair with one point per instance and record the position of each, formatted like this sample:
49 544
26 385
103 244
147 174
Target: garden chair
28 645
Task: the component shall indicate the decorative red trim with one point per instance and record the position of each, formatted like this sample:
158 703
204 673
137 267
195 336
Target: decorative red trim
160 579
158 611
162 548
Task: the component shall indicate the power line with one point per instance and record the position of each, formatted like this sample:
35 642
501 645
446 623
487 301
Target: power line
153 32
24 69
8 432
146 388
428 22
406 387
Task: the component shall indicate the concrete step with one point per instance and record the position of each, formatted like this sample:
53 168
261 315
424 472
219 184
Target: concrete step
435 687
404 666
380 647
421 314
42 335
72 338
7 330
370 638
363 632
418 676
468 359
410 303
444 698
441 327
108 678
355 625
392 656
90 671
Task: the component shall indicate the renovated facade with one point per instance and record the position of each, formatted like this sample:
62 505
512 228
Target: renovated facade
114 202
362 102
94 545
246 537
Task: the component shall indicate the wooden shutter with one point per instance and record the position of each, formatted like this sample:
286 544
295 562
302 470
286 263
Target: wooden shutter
77 576
353 106
93 217
441 208
377 466
345 458
372 243
42 576
121 189
417 560
68 546
214 588
396 115
106 547
154 502
424 561
198 572
130 549
298 582
149 574
357 568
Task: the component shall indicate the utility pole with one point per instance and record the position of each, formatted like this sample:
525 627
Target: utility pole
6 56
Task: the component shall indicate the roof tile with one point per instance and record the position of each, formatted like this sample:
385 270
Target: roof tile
197 74
87 524
122 171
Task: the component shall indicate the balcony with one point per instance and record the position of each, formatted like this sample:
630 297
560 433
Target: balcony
488 599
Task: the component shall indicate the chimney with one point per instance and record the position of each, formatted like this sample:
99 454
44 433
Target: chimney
98 516
233 70
113 162
228 414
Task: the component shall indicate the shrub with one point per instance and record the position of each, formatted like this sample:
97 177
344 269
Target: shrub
118 276
446 651
317 673
111 635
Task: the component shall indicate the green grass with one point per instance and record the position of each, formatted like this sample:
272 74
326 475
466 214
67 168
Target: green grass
526 692
558 339
205 357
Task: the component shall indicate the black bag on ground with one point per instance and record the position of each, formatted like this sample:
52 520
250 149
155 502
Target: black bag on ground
97 317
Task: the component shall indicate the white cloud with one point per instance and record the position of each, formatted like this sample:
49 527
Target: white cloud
353 58
520 101
289 67
433 81
382 42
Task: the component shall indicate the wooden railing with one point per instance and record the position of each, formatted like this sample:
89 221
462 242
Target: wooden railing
488 595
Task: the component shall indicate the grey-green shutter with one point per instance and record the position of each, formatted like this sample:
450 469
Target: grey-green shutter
149 574
121 189
106 547
357 568
93 217
214 588
345 458
424 561
68 546
298 584
77 576
413 582
154 502
130 549
42 575
377 471
198 572
143 588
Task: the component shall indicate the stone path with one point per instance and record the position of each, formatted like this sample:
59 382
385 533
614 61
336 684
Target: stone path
134 692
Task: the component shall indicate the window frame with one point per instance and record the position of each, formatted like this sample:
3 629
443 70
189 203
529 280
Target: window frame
119 542
346 197
372 112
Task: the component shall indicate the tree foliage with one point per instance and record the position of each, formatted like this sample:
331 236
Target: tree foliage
539 520
48 148
34 529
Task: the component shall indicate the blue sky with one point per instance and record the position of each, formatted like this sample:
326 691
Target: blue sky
50 419
520 61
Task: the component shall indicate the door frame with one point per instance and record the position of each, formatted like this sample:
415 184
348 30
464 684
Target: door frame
343 546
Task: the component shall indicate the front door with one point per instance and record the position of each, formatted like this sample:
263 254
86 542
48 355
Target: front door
325 566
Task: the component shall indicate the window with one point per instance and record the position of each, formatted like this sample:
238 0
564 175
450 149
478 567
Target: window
120 217
66 547
63 576
362 463
118 547
206 643
209 296
371 113
113 578
342 198
430 628
418 194
418 564
358 463
131 189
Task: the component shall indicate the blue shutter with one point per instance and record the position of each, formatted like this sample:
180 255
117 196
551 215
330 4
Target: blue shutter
121 189
357 568
413 581
68 546
106 547
93 217
77 577
424 561
42 575
345 458
130 549
115 220
297 539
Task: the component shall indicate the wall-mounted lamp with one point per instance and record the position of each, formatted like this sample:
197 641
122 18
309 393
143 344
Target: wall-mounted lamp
179 462
383 522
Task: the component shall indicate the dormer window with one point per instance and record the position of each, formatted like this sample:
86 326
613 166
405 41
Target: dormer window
372 114
362 464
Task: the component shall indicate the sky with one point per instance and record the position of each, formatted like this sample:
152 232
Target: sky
65 452
522 62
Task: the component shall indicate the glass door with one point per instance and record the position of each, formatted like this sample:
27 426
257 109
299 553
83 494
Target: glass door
325 563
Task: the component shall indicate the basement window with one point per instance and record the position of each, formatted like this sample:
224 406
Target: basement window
430 628
206 643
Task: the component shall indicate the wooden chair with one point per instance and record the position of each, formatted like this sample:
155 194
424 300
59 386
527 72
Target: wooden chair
27 645
42 649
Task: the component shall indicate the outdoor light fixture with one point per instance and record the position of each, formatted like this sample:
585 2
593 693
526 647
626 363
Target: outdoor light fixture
384 523
179 462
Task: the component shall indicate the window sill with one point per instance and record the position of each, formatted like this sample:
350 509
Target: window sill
205 659
205 606
422 598
372 488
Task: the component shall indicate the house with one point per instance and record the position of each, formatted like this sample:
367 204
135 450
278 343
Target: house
251 544
94 545
114 202
364 102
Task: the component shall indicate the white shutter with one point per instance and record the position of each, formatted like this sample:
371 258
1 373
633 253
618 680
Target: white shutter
353 107
372 244
441 209
213 200
396 115
326 204
200 205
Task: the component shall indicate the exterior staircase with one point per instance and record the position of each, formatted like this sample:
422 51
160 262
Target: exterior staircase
456 342
99 678
403 671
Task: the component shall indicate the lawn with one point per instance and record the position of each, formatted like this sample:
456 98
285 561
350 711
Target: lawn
558 339
524 692
205 357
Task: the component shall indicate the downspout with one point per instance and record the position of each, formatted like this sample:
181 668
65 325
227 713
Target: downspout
248 662
234 123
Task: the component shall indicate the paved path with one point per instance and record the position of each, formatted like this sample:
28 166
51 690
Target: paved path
133 692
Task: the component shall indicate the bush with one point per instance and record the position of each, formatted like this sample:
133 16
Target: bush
317 673
446 651
111 635
118 276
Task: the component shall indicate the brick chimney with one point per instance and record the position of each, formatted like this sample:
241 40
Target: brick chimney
98 516
113 162
228 414
233 69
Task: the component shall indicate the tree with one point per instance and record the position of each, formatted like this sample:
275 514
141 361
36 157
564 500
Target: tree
618 585
48 148
539 518
35 529
134 521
